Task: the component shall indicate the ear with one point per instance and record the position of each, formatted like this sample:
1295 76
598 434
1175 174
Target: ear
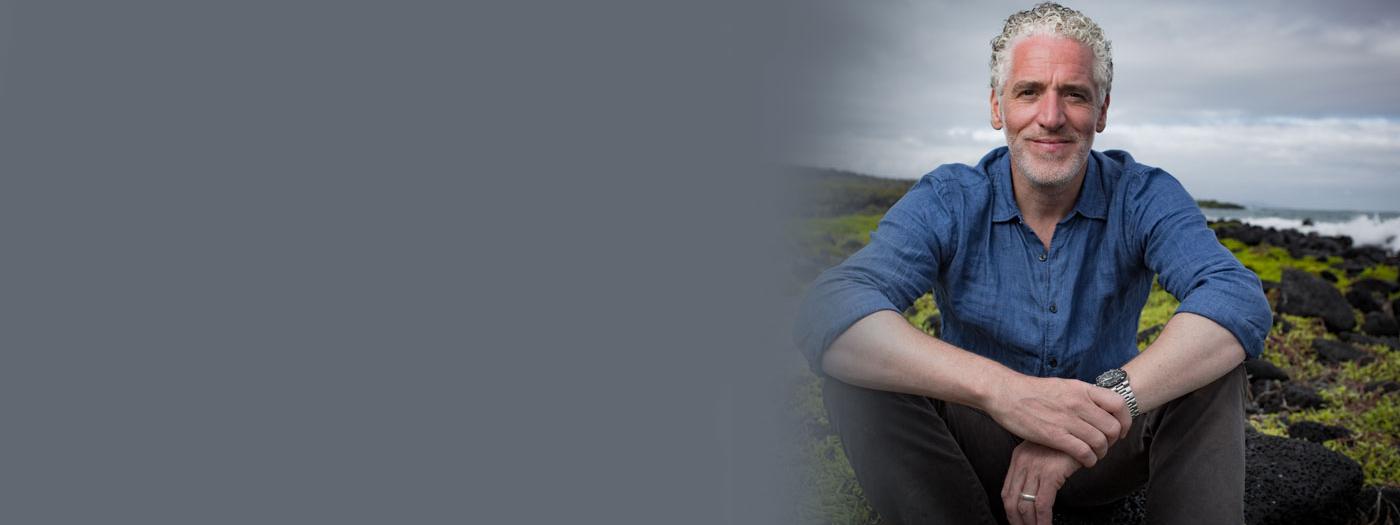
1103 114
996 111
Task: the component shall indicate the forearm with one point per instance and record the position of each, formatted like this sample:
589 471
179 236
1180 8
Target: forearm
883 351
1191 352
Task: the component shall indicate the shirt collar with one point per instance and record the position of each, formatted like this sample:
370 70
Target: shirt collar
1092 202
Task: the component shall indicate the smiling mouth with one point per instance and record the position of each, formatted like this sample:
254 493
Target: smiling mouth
1054 146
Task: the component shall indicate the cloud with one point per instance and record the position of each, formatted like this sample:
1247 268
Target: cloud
1286 103
1278 140
1333 163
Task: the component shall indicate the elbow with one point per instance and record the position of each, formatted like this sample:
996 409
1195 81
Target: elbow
1234 301
838 360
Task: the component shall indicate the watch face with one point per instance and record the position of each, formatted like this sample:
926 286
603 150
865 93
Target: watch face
1111 378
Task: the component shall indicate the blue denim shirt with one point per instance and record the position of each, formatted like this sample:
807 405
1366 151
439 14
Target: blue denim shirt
1071 311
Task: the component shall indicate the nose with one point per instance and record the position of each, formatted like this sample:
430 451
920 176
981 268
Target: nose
1049 113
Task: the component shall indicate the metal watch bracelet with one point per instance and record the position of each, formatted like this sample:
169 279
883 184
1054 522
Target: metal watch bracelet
1131 400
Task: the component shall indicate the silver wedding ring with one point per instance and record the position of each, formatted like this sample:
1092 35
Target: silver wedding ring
1028 497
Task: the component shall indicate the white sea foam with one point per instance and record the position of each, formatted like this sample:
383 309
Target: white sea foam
1362 229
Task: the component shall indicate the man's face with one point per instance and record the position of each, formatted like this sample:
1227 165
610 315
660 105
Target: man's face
1049 108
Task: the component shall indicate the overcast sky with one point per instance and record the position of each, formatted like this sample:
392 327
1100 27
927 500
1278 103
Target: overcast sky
1290 104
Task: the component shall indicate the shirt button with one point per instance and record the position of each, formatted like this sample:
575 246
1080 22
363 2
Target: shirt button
1054 362
1042 257
1052 308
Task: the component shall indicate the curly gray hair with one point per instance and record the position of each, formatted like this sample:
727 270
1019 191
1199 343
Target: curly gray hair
1050 18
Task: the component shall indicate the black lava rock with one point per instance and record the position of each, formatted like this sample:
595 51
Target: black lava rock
1259 369
1250 235
1380 324
1309 296
1351 267
1384 387
1297 244
1379 504
1390 501
1317 432
1328 276
1336 352
1374 285
1287 481
1271 396
1366 255
1363 300
1296 481
1301 397
1363 339
1267 394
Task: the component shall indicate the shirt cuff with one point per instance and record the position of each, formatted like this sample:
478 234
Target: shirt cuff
1241 310
824 317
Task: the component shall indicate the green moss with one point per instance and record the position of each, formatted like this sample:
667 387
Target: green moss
1373 417
1380 463
919 313
838 497
1293 351
1383 272
827 487
1160 308
1374 430
1269 261
1385 368
1271 424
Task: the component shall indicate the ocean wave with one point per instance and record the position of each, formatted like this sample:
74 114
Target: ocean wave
1362 229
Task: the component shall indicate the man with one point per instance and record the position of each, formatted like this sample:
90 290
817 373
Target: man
1040 258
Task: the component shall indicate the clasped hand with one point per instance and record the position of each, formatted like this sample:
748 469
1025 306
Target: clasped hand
1040 472
1077 418
1066 424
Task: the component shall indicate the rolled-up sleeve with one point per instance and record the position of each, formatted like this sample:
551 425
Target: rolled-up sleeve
1194 267
899 265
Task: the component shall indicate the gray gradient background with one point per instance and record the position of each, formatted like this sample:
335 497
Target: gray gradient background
352 262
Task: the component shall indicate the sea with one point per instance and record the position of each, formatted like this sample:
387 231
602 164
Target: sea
1372 228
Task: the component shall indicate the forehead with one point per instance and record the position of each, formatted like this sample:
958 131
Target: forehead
1045 58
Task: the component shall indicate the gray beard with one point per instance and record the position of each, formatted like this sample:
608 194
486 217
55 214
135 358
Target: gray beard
1037 179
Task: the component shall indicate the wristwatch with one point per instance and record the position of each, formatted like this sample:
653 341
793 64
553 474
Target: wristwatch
1116 379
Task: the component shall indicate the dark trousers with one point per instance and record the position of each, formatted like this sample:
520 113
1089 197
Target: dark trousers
921 460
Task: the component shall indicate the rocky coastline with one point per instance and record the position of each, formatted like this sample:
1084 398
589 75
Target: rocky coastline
1329 359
